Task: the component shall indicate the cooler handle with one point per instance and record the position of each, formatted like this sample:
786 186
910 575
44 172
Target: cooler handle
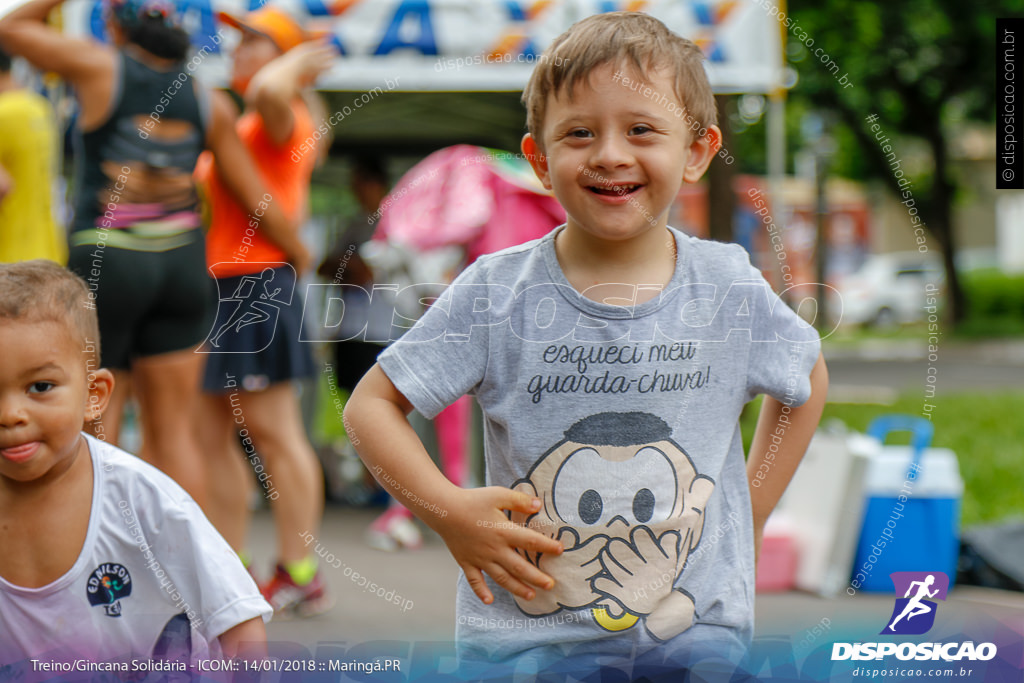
921 430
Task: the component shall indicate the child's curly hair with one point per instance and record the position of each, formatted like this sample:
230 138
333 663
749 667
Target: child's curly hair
42 291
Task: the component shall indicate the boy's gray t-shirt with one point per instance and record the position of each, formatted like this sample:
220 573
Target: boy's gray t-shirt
624 421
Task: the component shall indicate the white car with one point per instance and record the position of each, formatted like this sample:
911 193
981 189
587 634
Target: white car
887 290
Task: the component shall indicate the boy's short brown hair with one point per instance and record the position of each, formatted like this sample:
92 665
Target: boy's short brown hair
42 291
633 39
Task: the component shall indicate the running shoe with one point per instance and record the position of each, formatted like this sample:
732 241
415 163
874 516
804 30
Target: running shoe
394 530
290 599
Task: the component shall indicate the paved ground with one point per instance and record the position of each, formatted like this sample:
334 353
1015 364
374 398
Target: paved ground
878 370
423 581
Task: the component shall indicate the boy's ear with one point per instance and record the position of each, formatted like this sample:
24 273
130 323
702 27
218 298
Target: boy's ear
101 386
702 153
531 150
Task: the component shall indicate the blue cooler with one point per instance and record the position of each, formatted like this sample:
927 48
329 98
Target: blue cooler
913 505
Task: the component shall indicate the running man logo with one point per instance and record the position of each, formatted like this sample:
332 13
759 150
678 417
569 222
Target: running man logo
248 308
914 613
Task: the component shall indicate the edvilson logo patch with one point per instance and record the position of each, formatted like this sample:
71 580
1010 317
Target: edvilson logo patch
107 585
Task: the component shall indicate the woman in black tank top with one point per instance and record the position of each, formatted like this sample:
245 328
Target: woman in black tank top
136 237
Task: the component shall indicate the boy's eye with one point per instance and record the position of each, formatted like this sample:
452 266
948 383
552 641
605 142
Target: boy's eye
579 133
640 130
40 387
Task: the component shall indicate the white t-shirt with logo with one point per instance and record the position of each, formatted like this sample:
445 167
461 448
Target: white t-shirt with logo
154 579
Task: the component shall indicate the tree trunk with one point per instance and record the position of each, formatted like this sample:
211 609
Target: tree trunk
941 226
954 291
721 201
936 207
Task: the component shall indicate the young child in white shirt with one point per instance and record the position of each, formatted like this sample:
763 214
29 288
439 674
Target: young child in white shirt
105 558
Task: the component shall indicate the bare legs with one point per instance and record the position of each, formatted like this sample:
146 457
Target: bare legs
228 474
274 424
167 390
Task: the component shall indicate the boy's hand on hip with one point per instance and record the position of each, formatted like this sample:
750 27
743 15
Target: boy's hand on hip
482 539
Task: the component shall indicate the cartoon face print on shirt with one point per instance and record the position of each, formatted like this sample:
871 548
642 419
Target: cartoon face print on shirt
628 505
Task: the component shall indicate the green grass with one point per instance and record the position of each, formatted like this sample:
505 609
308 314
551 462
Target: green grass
986 431
988 328
856 336
328 426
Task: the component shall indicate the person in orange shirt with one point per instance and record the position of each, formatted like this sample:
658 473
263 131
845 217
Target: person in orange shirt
254 349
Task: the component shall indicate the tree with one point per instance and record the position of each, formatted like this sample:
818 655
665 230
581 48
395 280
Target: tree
721 200
921 66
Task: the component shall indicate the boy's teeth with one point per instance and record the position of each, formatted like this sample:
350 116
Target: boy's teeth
616 190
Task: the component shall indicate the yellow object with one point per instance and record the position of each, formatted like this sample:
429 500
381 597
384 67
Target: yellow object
28 149
303 571
610 623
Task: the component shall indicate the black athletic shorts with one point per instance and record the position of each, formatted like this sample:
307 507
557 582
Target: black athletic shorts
256 339
148 303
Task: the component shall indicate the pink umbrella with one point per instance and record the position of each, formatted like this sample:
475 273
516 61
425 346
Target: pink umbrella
479 198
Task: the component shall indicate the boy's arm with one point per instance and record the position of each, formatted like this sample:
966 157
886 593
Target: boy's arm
247 640
769 472
471 521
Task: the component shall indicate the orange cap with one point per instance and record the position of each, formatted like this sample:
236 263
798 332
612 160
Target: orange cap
271 22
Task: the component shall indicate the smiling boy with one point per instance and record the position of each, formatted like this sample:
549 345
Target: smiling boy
105 558
611 485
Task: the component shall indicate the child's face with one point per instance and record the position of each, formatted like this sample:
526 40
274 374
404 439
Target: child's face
616 158
47 392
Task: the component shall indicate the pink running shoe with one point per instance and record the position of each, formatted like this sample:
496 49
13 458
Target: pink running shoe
394 530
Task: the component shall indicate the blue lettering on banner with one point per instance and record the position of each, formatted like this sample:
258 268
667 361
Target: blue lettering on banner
335 40
516 13
200 12
418 11
96 23
704 14
408 25
411 27
316 8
